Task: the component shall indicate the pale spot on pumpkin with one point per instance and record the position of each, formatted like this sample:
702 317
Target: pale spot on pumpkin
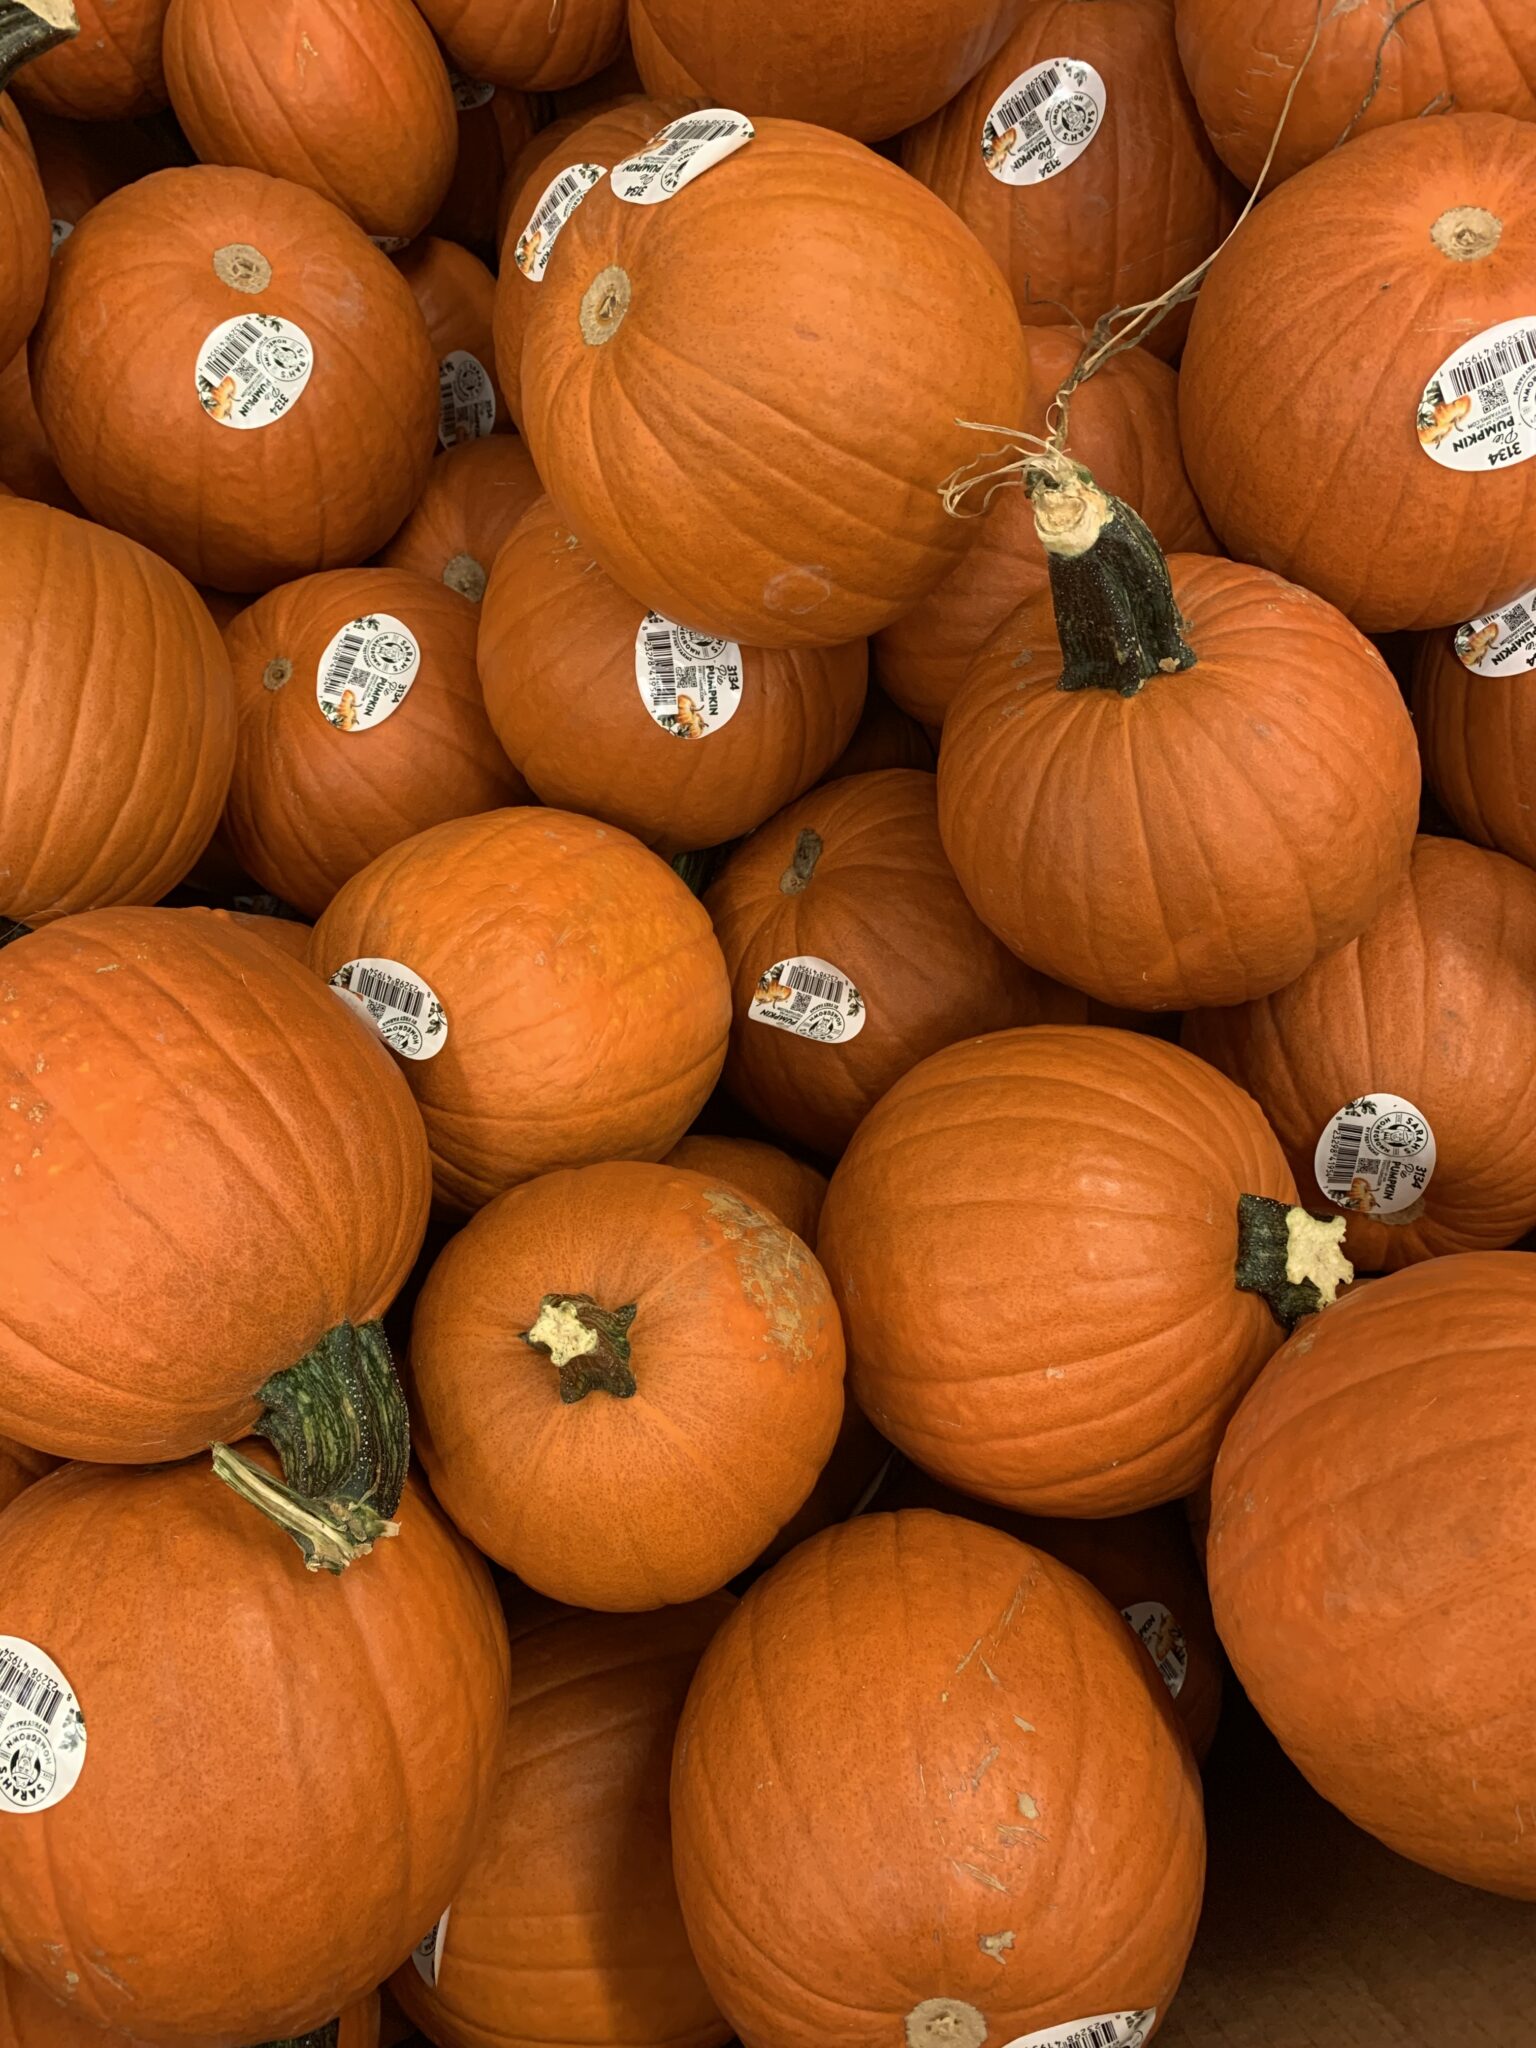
1028 1807
993 1884
1027 1726
796 591
996 1945
984 1766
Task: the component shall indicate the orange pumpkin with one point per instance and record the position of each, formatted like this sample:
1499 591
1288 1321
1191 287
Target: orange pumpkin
619 77
494 126
1477 733
286 933
1077 158
364 1715
20 1467
29 2018
664 1336
474 496
1125 428
860 1459
456 294
884 738
526 43
27 466
610 709
1342 334
583 999
567 1926
169 418
739 336
117 713
361 723
907 1764
853 955
1351 1532
27 27
1052 1298
109 71
785 1187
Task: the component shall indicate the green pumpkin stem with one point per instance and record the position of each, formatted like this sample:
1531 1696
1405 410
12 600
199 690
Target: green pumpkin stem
1295 1260
587 1344
700 867
29 28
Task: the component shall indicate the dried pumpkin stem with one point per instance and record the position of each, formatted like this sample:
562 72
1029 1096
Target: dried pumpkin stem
588 1344
796 877
1295 1260
1115 614
318 2037
29 28
699 868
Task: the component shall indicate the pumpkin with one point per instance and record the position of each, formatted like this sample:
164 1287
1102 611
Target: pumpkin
1477 732
598 1358
583 1001
1351 1531
494 126
1341 333
29 2018
456 293
1065 773
26 463
860 1459
1124 426
235 299
884 738
920 1701
1054 1299
1077 158
361 723
118 716
286 933
787 1188
27 27
223 606
474 496
615 79
853 955
743 336
20 1467
1435 1005
109 71
567 1927
525 43
80 162
347 1738
867 68
611 709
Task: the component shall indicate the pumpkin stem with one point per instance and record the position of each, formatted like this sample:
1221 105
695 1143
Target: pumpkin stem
700 867
796 877
318 2037
1295 1260
30 28
465 575
589 1345
1115 614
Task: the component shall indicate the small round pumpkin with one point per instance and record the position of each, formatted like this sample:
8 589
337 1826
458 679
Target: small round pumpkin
608 708
27 466
577 989
29 2018
20 1467
260 398
907 1763
1353 329
474 496
456 294
742 336
119 718
525 43
853 954
1054 1299
771 1179
494 127
110 71
25 235
347 1737
1351 1531
361 723
1477 737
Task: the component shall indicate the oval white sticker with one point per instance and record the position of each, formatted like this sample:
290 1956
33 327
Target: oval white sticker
466 398
557 202
1104 2030
809 997
366 671
1164 1641
253 369
1375 1155
1044 121
689 682
400 1006
1501 643
1479 408
42 1730
677 154
427 1955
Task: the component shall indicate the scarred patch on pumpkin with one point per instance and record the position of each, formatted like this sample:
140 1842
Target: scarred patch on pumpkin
772 1264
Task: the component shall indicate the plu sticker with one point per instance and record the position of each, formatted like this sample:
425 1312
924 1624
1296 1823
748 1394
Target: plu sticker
1164 1640
253 369
402 1008
469 93
689 682
466 398
42 1730
390 245
677 154
1043 122
557 202
1500 643
1104 2030
366 671
427 1955
1479 409
1375 1155
59 231
809 997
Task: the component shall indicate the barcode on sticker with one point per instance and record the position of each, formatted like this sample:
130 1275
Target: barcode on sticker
682 133
232 350
373 985
447 411
570 186
1104 2030
827 988
1514 352
342 663
33 1691
663 671
1036 92
1345 1155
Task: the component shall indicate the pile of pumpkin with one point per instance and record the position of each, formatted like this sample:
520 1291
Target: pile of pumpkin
482 1515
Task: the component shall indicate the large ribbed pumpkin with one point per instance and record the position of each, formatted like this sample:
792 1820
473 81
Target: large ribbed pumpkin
1353 1531
117 724
20 1467
1477 734
209 1164
922 1764
1035 1239
111 71
626 1381
566 1927
1371 66
745 397
361 723
474 496
29 2018
853 954
1124 426
1342 335
1077 157
26 27
229 371
613 710
584 1001
27 466
456 294
345 1732
526 43
773 1180
1434 1003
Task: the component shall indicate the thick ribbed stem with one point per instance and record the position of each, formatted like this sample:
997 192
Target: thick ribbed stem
1116 617
28 28
588 1344
700 867
1294 1260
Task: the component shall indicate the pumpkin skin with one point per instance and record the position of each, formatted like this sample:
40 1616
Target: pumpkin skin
884 738
1436 1002
1142 206
20 1467
1477 738
492 132
311 806
119 399
111 71
25 234
474 496
526 44
116 1020
1294 733
567 1927
27 466
882 905
1350 1530
846 1720
1083 1183
456 294
1125 428
734 1354
586 998
558 665
1350 241
117 716
29 2018
770 1179
286 933
881 342
180 1958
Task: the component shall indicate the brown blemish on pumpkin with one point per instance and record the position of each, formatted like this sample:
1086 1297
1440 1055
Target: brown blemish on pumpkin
797 876
277 672
604 304
945 2023
771 1263
242 268
996 1945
